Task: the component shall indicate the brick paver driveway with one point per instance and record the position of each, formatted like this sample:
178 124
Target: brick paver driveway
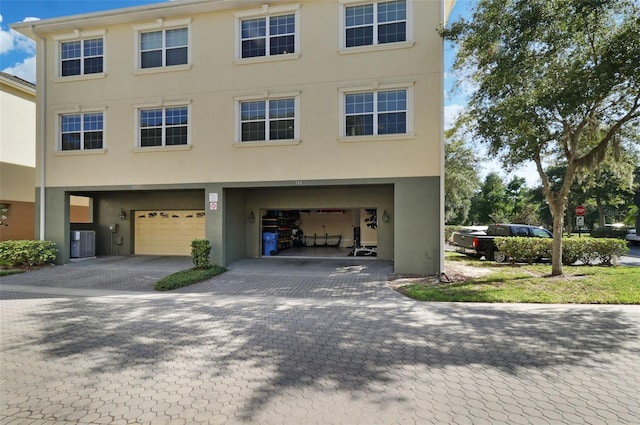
252 347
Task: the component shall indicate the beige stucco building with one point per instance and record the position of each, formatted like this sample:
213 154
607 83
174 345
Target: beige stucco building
17 157
227 120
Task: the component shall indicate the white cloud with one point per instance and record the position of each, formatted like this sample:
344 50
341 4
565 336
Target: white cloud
451 113
526 170
25 70
11 40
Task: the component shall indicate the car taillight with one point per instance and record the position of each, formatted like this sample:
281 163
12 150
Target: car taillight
475 243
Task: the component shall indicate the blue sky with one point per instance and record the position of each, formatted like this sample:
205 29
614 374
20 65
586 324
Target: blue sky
17 53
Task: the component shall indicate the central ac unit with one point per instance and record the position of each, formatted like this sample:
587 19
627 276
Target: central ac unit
83 243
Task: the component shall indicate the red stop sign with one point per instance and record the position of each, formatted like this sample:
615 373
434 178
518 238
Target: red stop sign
580 210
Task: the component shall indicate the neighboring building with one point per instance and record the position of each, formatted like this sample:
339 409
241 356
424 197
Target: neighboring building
17 162
228 119
17 157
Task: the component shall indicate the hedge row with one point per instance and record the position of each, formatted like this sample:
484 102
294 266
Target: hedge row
587 250
27 253
609 232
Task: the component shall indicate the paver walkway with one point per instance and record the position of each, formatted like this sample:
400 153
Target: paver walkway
230 354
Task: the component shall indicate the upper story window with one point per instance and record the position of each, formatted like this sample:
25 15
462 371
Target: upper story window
81 53
374 113
163 126
375 23
263 120
268 36
164 48
81 131
81 57
383 111
268 32
163 44
268 118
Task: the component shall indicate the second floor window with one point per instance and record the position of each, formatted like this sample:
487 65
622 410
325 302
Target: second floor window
164 48
81 131
164 126
263 120
376 23
270 36
376 113
81 57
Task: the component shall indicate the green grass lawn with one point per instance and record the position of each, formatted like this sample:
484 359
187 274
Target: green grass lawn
523 283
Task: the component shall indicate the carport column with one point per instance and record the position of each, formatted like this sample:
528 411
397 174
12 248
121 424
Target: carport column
417 226
56 221
214 224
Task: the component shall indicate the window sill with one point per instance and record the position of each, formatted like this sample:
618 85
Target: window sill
162 148
266 59
382 138
267 143
162 69
376 47
81 152
71 78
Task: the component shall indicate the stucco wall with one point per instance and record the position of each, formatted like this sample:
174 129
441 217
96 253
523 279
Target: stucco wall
215 78
17 127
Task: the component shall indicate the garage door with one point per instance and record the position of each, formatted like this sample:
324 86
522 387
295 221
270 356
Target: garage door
167 232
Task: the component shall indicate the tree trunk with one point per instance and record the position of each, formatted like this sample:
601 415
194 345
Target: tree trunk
600 211
556 251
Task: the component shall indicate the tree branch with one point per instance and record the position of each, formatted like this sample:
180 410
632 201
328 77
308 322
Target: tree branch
597 152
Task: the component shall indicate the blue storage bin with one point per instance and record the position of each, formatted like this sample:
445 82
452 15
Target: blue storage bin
269 243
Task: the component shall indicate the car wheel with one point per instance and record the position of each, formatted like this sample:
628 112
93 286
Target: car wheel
500 257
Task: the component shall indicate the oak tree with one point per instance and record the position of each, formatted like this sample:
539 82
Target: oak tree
554 80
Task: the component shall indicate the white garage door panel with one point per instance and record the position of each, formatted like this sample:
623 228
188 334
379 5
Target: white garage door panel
167 232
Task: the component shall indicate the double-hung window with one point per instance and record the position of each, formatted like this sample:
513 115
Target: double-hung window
163 44
270 36
83 131
374 113
268 120
81 57
375 23
272 31
81 53
163 126
164 48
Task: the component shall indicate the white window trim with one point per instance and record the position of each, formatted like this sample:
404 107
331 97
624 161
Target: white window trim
161 104
343 49
161 25
266 11
267 96
79 110
377 87
78 35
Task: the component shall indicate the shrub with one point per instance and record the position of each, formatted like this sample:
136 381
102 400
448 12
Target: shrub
606 249
574 250
448 231
200 250
27 253
187 277
609 232
525 250
586 250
